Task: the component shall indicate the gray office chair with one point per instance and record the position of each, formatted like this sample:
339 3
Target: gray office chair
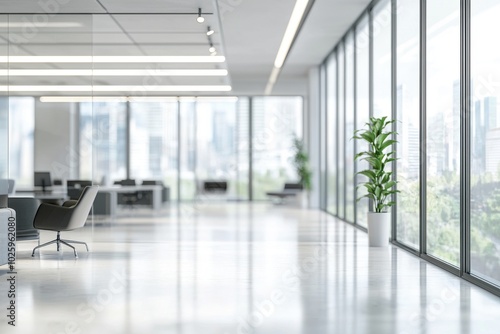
70 216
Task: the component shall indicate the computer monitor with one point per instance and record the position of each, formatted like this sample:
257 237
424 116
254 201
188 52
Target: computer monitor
42 179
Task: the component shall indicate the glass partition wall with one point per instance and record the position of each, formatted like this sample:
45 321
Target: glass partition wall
411 65
4 106
70 114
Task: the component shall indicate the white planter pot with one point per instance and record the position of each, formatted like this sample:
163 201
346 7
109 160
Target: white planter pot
379 228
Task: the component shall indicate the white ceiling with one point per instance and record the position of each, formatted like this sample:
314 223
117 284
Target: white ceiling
248 33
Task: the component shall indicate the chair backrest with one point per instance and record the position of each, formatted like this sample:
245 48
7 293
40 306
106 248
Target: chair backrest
128 182
75 187
82 207
215 186
152 183
293 186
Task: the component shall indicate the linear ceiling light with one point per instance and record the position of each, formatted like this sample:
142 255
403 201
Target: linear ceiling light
117 88
112 59
200 19
291 31
114 72
83 99
38 25
54 99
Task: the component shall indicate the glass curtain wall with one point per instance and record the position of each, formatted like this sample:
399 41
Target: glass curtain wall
102 140
350 202
331 133
187 153
21 141
485 142
341 131
191 140
382 59
242 150
362 110
275 121
408 122
154 142
443 130
222 144
323 144
476 251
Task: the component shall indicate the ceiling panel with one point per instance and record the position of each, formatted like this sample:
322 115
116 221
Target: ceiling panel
157 6
51 50
30 6
178 38
250 36
163 23
177 50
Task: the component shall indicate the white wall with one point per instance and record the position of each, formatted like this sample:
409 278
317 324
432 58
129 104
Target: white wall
56 139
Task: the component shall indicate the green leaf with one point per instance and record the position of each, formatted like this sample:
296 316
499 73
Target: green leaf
387 144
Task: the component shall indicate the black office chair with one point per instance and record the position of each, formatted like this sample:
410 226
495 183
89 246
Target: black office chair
131 198
74 188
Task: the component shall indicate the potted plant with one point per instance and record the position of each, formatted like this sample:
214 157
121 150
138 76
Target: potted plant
379 185
300 161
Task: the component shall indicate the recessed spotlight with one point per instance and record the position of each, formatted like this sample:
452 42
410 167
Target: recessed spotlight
210 31
200 18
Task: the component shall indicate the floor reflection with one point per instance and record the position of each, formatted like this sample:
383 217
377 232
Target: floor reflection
239 268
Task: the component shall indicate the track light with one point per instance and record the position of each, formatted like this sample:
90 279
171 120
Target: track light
210 31
211 48
213 53
200 18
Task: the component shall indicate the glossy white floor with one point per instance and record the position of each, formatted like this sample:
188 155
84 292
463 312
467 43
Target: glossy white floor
237 268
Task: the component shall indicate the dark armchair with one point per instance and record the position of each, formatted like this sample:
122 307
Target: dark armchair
70 216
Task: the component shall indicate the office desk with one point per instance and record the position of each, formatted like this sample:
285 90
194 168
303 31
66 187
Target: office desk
113 191
48 197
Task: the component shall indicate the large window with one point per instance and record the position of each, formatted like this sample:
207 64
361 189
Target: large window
341 130
103 146
186 141
21 140
408 124
331 134
485 142
382 59
154 142
323 144
275 121
443 130
222 144
187 152
445 136
362 110
349 129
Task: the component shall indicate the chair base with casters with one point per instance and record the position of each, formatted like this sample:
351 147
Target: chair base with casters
70 216
59 241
